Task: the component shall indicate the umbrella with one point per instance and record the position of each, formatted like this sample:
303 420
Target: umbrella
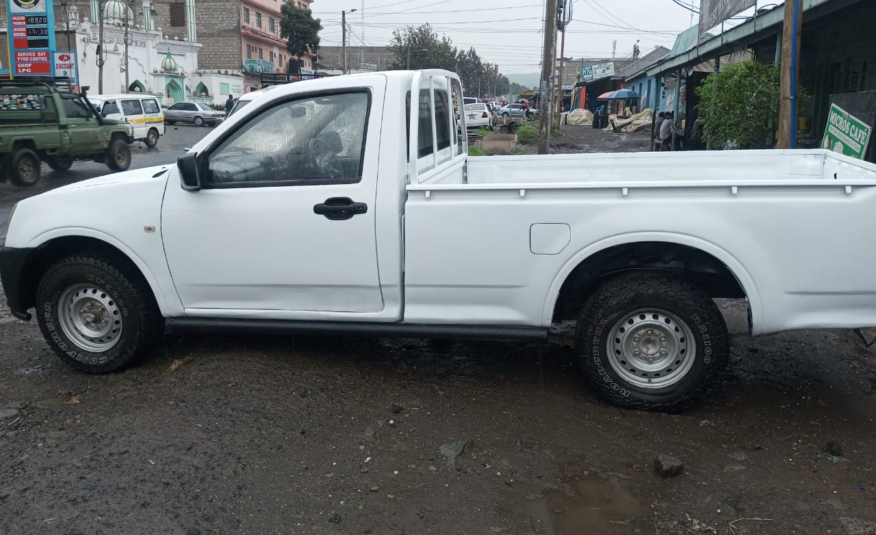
604 96
620 94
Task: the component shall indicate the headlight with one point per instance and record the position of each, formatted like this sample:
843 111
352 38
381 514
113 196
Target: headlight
130 130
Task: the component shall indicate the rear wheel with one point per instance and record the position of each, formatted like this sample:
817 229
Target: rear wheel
24 167
60 163
651 342
96 313
118 156
152 138
199 121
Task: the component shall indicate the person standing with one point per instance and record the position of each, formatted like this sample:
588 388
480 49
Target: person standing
229 104
660 118
666 131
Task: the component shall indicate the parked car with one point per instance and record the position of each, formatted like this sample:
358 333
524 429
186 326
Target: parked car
40 122
478 116
515 111
193 112
339 225
140 111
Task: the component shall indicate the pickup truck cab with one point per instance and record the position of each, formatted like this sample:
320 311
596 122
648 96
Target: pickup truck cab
349 205
41 122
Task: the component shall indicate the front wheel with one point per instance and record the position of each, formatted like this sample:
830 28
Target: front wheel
118 156
651 342
96 313
152 138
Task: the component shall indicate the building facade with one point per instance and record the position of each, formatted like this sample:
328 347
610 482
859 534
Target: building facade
222 46
261 47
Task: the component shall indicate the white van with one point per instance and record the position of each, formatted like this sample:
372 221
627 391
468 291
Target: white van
143 112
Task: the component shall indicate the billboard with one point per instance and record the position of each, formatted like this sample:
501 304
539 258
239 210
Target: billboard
595 72
31 24
714 12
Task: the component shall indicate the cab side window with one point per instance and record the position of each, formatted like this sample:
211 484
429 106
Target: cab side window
74 108
109 108
132 107
151 106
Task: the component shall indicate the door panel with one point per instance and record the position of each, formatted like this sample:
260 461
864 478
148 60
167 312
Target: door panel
82 126
250 240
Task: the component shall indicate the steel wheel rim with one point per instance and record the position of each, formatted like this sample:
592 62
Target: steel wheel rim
153 137
651 348
90 318
26 169
121 157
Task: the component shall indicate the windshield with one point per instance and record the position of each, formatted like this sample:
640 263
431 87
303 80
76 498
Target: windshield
204 107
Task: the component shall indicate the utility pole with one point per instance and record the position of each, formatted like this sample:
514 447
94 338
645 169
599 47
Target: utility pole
792 31
127 38
547 72
100 53
344 38
562 67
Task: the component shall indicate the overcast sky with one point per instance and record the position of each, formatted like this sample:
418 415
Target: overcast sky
507 32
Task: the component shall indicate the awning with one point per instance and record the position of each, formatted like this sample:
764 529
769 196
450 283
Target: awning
620 94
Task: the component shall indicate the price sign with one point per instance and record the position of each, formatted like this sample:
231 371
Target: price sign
30 23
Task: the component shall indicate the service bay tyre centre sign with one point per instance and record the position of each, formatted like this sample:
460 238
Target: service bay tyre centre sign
32 29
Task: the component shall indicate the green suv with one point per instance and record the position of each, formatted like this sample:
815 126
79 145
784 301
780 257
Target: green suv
42 121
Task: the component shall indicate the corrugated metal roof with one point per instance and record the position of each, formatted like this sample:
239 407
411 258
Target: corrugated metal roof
685 41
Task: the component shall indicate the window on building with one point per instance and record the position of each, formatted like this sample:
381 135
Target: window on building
258 20
281 61
271 27
246 15
223 89
261 54
858 81
177 14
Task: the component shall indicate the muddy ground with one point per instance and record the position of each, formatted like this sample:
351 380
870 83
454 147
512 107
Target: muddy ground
282 435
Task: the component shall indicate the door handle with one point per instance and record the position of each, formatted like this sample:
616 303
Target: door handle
340 208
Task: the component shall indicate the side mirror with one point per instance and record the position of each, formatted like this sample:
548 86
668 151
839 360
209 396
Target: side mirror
189 172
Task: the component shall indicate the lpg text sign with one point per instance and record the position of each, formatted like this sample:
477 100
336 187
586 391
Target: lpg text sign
846 134
31 26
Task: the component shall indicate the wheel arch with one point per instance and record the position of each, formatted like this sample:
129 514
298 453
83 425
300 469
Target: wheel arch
722 274
51 247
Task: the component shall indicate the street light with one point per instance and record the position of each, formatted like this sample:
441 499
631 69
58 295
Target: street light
344 37
67 19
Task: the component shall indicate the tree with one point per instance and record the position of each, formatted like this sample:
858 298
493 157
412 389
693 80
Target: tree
300 30
739 106
422 48
518 88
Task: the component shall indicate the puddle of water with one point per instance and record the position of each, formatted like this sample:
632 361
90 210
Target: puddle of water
601 505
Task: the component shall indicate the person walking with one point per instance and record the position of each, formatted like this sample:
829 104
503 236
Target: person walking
526 108
229 103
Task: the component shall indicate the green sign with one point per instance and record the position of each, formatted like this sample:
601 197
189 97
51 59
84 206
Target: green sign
846 134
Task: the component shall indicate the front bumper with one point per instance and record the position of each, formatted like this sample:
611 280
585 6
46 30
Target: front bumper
12 263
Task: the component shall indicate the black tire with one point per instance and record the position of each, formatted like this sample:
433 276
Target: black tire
24 168
60 163
199 121
151 138
118 155
683 308
169 123
141 324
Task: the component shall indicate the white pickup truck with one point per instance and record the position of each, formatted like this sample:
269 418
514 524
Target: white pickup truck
349 205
